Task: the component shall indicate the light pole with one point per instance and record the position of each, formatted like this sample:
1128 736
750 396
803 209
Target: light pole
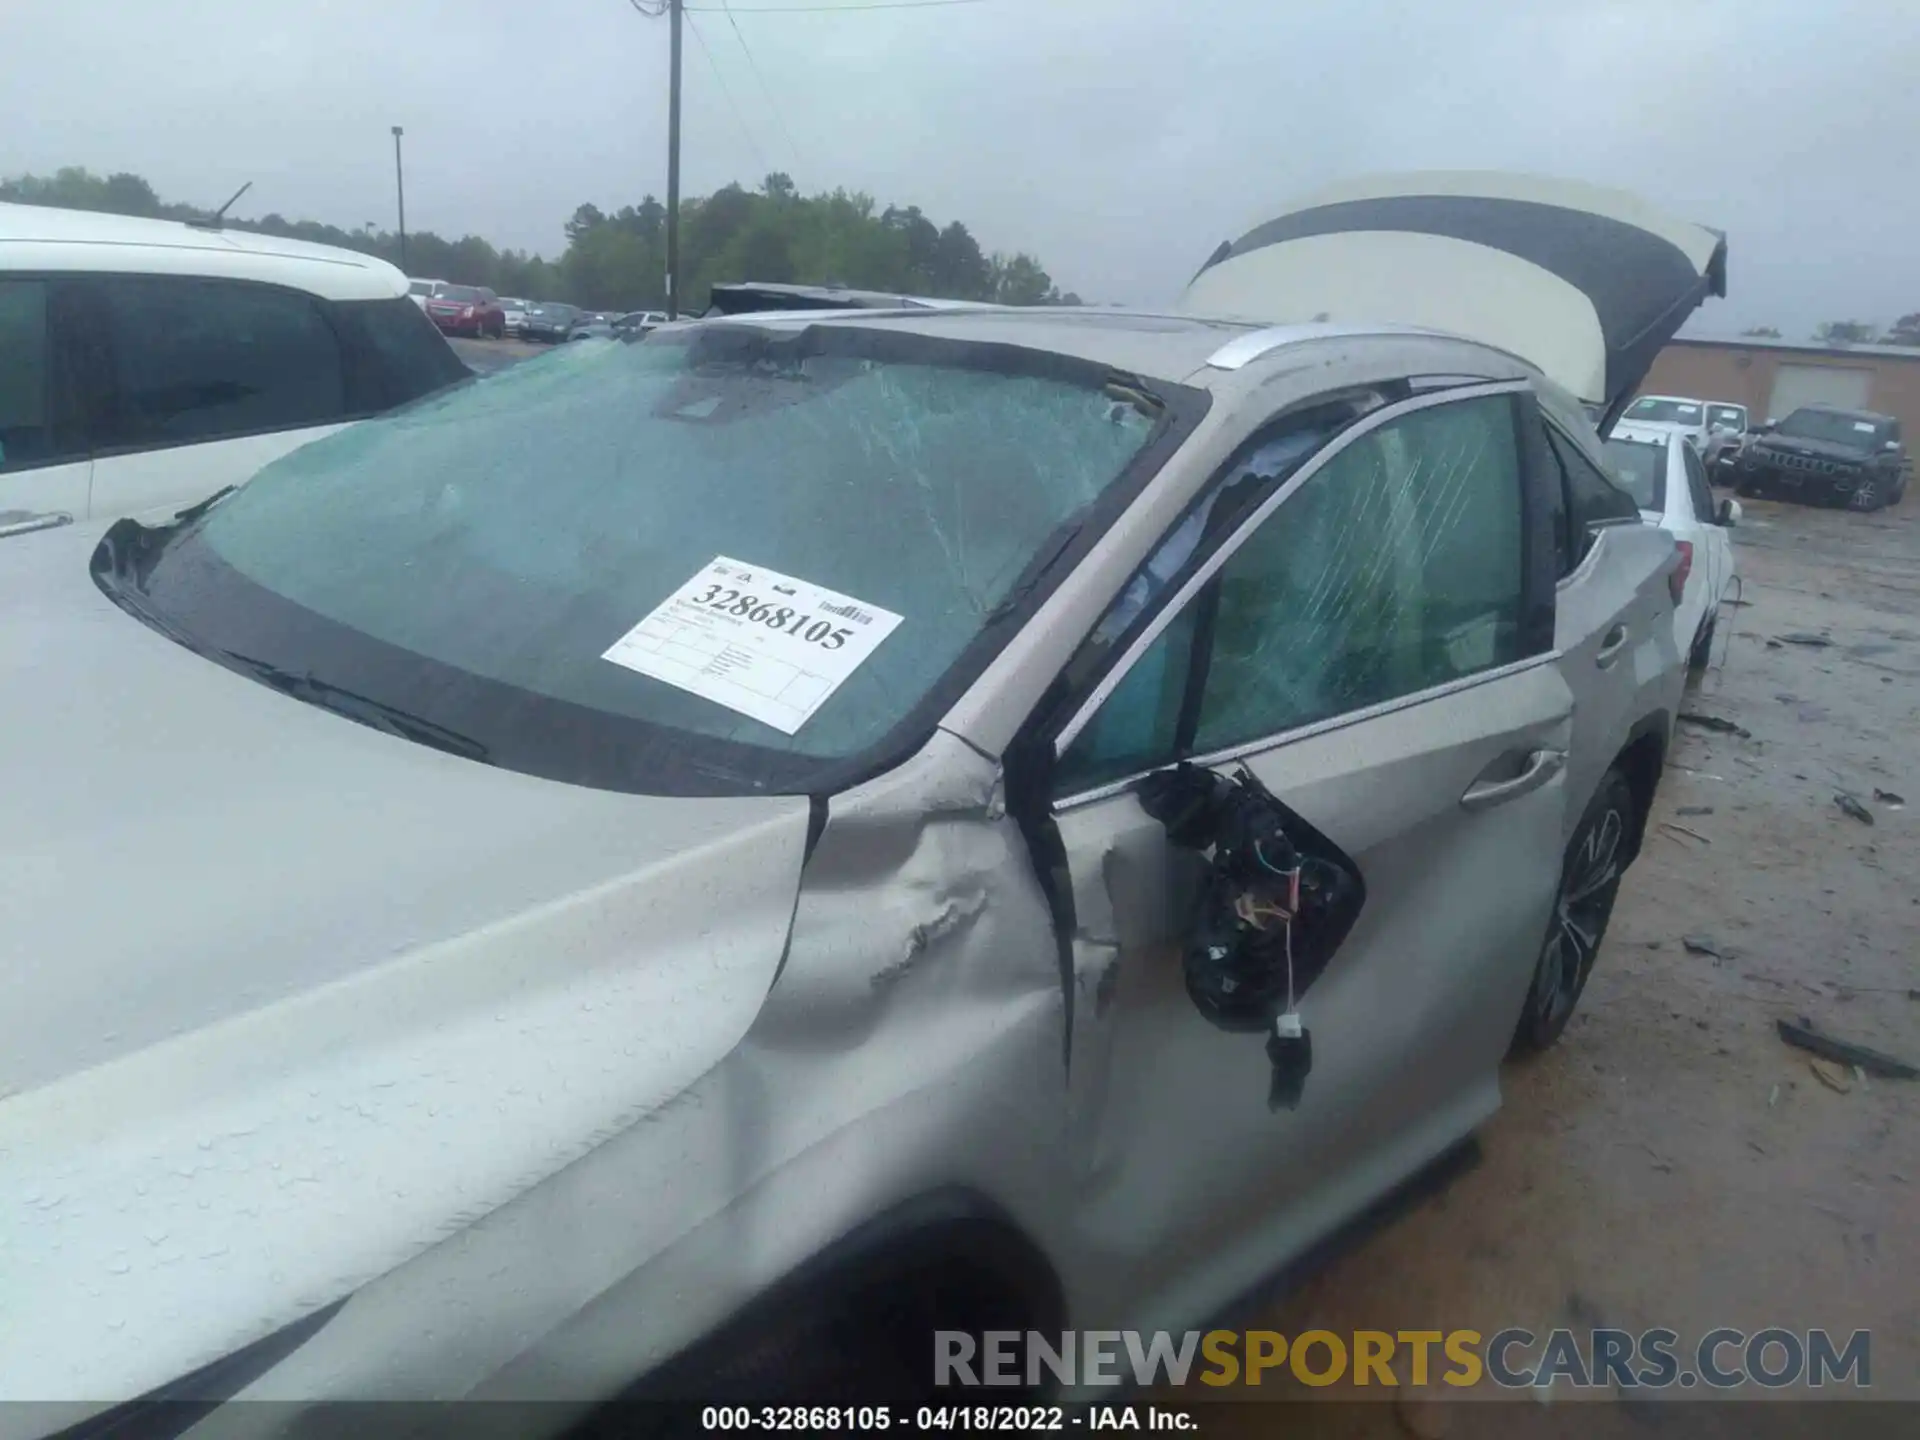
400 188
673 167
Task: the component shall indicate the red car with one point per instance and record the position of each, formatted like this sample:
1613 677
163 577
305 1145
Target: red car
468 310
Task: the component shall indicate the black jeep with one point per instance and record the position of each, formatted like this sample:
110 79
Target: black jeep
1820 455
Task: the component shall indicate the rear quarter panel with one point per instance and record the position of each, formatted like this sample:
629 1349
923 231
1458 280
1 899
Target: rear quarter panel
1620 585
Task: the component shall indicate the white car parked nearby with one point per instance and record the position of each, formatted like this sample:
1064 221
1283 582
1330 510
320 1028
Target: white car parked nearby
1668 480
421 291
149 363
1672 414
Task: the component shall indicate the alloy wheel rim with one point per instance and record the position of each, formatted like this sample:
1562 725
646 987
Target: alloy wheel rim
1587 885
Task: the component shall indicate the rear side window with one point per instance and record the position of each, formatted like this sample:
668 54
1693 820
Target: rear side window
1640 466
39 406
197 360
394 354
25 375
1592 500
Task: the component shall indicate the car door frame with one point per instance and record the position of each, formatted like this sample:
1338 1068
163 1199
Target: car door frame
1090 983
1713 535
58 493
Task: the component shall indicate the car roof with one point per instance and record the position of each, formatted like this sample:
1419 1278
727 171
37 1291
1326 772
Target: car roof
42 238
1674 399
1185 349
835 296
1651 435
1873 415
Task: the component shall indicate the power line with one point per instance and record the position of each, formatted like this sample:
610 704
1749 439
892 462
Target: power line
836 9
765 89
738 118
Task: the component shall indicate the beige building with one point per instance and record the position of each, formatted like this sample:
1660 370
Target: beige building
1773 377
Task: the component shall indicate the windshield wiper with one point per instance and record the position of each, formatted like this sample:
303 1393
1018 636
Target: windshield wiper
199 508
376 714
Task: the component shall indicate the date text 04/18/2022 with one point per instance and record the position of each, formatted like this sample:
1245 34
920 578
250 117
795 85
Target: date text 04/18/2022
943 1419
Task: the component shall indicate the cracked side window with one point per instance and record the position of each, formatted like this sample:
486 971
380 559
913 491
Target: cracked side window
1147 721
1395 568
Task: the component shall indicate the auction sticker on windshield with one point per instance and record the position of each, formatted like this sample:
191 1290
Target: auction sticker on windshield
766 645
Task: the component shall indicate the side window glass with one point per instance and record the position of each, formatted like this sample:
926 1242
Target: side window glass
198 360
1148 718
1137 727
394 354
1395 568
1592 498
26 376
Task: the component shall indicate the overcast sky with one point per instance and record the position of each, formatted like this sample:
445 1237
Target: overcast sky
1118 140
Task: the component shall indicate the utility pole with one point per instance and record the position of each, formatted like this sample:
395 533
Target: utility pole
673 167
400 187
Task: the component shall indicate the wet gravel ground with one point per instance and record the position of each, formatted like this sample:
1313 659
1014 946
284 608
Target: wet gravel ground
1671 1162
486 356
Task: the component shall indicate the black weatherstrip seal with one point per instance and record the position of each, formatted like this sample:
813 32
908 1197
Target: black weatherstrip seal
1641 285
169 579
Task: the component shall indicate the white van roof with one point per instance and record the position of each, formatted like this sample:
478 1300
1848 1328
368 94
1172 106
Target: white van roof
37 237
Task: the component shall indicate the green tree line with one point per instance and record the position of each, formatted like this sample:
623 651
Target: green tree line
618 261
1904 331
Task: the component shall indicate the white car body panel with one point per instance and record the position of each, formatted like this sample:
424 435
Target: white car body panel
1712 575
37 238
411 1021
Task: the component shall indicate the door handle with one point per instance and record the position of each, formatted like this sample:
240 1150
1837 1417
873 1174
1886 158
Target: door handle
26 526
1542 766
1610 648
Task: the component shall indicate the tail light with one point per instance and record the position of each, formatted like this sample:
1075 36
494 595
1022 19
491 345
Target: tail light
1677 581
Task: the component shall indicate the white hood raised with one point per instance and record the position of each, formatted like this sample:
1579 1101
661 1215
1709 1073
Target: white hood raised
285 1000
1584 283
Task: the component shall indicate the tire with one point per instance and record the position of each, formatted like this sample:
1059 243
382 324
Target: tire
1869 496
1582 905
1701 655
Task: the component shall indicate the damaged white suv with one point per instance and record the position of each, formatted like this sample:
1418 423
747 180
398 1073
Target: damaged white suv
678 869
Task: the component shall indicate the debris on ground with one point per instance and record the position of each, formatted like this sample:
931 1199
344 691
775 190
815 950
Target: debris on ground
1885 797
1830 1075
1802 637
1773 645
1802 1035
1708 809
1701 945
1714 722
1671 828
1850 806
1773 1097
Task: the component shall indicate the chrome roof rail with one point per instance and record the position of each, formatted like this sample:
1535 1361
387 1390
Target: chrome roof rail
1243 350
